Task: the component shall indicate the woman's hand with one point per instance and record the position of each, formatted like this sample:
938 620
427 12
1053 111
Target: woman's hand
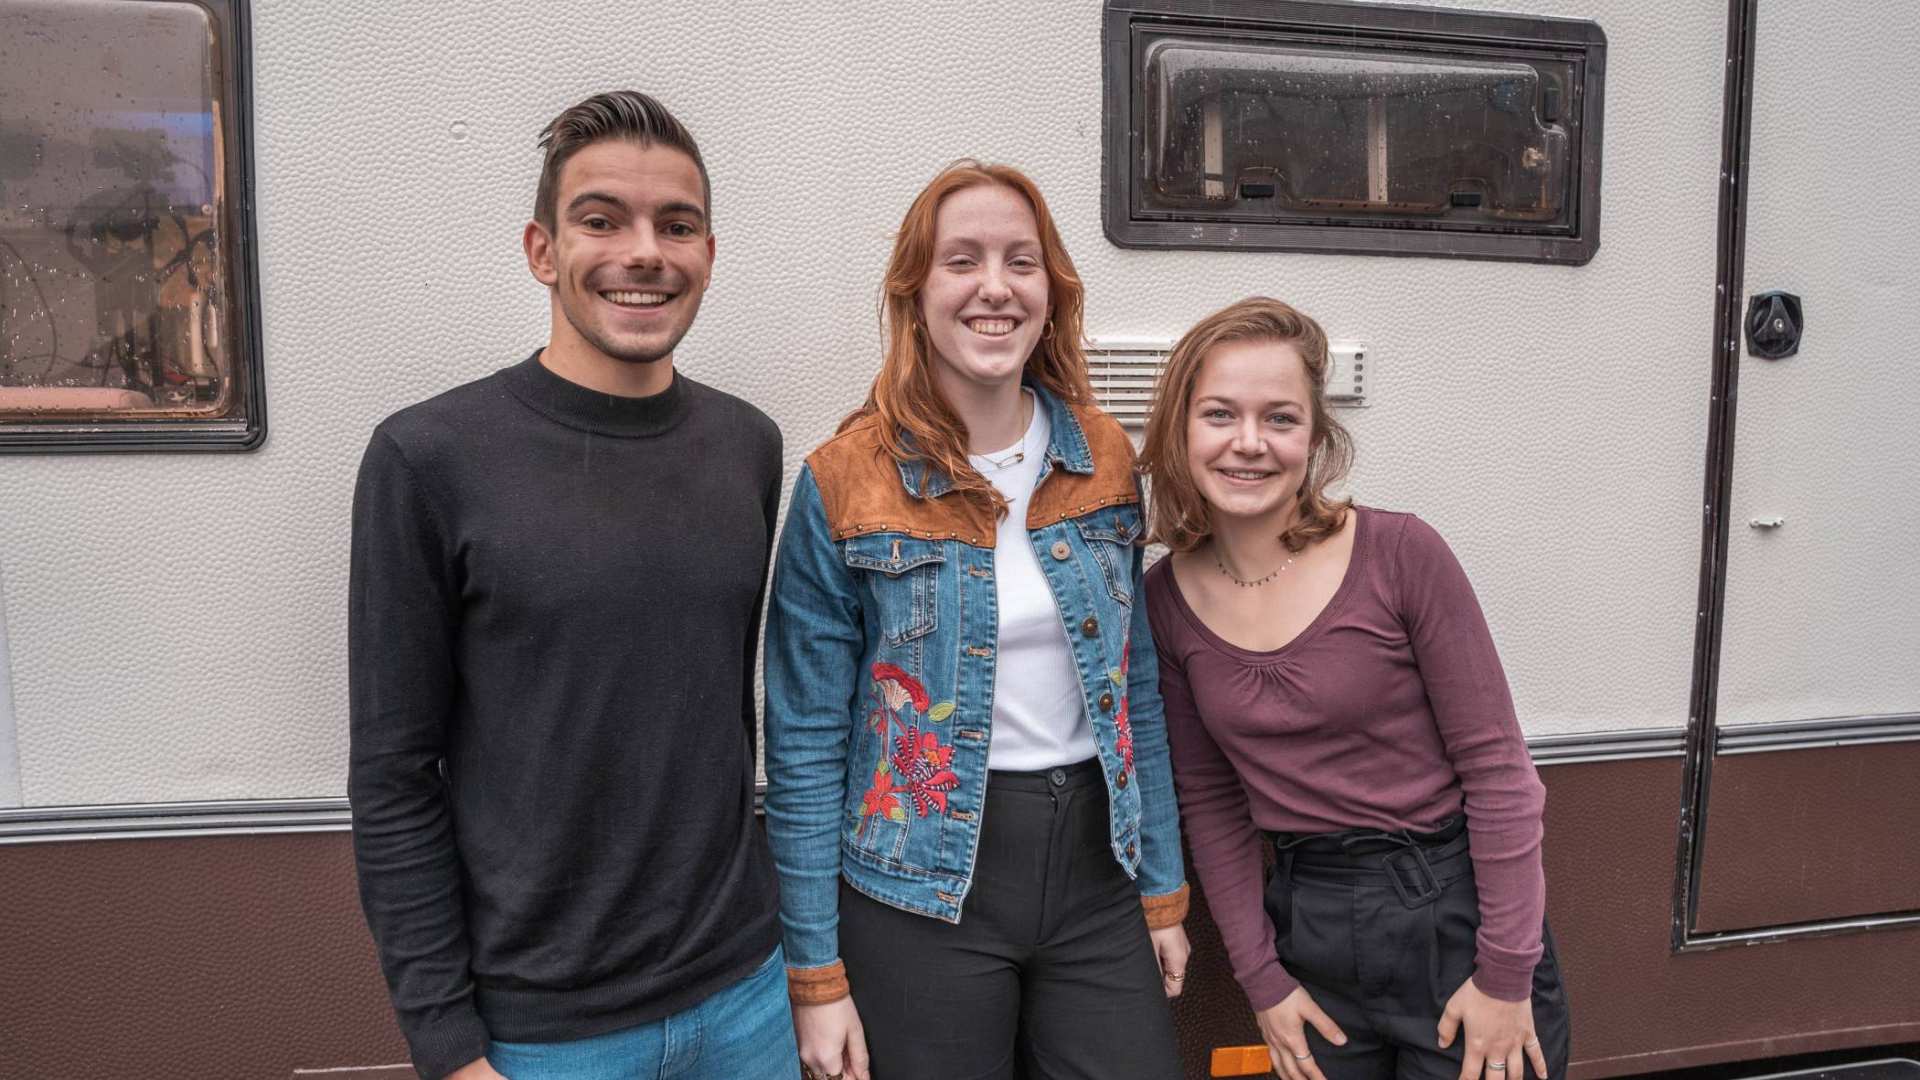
832 1042
1284 1026
1171 950
1498 1033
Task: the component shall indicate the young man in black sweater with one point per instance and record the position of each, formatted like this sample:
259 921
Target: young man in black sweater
556 586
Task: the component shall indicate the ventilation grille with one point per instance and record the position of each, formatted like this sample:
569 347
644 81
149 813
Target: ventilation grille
1123 371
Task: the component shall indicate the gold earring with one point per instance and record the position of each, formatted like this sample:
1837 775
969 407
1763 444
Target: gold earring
1047 334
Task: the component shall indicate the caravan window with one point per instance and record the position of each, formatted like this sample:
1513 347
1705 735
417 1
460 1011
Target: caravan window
126 305
1331 127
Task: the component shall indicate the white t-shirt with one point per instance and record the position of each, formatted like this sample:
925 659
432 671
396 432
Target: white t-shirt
1039 720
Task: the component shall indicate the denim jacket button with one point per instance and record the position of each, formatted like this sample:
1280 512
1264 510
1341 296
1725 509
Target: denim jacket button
1121 780
1091 627
1130 850
1106 702
1061 550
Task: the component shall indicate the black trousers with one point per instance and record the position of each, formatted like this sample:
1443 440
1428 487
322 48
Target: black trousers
1379 928
1048 975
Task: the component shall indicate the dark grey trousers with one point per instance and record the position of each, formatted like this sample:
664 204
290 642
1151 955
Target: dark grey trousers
1048 975
1383 958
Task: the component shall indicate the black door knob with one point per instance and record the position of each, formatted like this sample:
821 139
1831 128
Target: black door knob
1774 325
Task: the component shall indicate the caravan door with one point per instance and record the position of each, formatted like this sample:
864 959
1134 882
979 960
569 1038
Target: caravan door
1810 802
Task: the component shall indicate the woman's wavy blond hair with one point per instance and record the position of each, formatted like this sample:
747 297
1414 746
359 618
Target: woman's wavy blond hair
1179 512
904 395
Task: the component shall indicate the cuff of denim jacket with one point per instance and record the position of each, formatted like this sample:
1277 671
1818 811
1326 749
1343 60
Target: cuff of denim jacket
1167 909
818 985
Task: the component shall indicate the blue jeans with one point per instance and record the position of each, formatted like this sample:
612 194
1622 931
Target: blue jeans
743 1031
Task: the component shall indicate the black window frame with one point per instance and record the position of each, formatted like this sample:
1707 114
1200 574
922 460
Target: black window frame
1344 23
246 430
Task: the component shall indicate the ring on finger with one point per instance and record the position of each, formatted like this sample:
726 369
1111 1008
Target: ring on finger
1497 1066
1303 1057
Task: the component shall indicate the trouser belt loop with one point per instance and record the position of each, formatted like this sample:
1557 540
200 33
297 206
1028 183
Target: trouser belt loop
1410 862
1283 865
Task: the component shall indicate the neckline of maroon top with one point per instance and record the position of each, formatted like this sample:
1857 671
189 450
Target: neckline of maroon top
1362 540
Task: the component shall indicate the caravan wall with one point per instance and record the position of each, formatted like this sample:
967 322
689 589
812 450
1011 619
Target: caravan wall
173 626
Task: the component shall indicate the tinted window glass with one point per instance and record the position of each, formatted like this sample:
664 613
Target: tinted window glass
1314 125
116 290
1273 131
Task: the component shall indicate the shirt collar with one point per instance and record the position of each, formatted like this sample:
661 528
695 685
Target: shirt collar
1066 448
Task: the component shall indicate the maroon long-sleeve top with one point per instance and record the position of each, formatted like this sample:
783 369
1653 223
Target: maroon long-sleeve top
1389 711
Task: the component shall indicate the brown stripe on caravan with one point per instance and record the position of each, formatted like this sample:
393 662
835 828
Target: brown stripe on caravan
242 957
193 958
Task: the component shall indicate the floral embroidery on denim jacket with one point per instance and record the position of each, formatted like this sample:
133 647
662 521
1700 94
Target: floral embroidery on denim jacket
919 764
1123 741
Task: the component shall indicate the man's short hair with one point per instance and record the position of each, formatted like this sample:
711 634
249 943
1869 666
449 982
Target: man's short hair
618 114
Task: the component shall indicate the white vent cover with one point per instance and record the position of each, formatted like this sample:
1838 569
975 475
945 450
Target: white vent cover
1123 370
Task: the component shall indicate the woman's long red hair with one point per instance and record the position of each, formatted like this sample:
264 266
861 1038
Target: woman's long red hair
904 395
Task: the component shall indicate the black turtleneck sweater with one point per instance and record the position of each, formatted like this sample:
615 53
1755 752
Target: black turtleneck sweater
555 601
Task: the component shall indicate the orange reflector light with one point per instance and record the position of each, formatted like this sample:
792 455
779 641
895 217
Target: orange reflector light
1241 1061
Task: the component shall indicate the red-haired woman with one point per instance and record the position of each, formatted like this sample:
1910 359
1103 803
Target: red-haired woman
1330 683
968 793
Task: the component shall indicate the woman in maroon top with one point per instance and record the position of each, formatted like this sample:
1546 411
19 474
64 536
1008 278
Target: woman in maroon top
1334 699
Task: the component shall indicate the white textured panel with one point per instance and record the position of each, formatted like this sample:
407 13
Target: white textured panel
1823 613
178 622
9 746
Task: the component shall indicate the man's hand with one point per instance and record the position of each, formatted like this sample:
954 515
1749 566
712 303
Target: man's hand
1170 949
477 1069
832 1042
1284 1026
1498 1033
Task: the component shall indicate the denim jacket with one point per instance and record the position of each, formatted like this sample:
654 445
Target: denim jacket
881 634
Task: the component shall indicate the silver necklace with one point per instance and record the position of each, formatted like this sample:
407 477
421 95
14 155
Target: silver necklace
1019 454
1249 584
995 464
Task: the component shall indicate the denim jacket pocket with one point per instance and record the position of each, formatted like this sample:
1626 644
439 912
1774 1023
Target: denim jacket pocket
903 578
1111 535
